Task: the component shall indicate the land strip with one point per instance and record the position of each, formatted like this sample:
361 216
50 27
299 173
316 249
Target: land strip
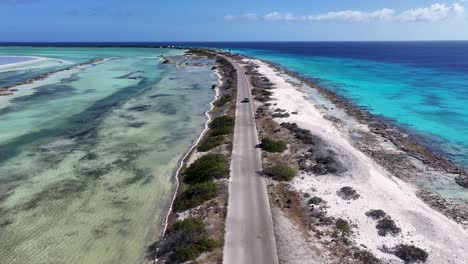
195 226
249 227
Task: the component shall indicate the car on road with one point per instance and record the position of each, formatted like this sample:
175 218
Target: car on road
246 100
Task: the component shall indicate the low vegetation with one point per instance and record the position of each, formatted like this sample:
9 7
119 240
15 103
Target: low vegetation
210 143
302 134
206 168
315 200
186 240
222 125
195 195
343 227
409 253
348 193
387 226
271 145
202 53
223 100
280 172
229 73
376 214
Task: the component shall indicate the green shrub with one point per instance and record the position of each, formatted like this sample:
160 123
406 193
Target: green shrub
192 251
195 195
271 145
206 168
223 100
188 225
210 143
343 227
202 53
186 239
222 125
410 253
280 172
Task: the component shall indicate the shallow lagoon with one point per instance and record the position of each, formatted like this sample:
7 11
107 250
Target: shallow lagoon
86 163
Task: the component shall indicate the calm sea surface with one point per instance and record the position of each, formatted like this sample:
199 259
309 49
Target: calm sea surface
87 157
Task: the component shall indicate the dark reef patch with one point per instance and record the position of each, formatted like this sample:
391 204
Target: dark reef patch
56 191
159 95
137 124
166 108
46 92
140 108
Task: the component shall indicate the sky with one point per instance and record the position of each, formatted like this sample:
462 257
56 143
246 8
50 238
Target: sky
235 20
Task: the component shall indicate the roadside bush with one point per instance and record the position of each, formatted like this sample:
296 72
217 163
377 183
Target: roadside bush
201 53
223 100
222 125
280 172
409 253
376 214
271 145
315 200
210 143
186 240
206 168
344 227
348 193
387 226
195 195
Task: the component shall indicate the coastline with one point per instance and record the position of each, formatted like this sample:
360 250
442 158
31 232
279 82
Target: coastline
186 205
378 185
21 63
187 156
404 139
404 142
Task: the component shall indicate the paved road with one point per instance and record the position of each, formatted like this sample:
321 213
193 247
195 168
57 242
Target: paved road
249 227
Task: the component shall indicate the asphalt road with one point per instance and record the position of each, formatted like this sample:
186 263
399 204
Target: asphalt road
249 228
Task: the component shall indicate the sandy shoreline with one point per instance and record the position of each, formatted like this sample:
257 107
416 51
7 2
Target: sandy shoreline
22 63
188 157
421 225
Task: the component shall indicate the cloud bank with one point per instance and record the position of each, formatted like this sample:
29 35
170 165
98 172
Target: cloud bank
432 13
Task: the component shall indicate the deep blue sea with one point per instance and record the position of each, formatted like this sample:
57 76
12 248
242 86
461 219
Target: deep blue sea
421 86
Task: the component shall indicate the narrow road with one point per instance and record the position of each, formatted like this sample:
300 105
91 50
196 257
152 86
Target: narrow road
249 235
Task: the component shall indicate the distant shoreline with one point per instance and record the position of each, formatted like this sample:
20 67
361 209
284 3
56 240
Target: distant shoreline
20 63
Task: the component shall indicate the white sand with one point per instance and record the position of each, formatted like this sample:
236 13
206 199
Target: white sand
21 63
422 226
293 247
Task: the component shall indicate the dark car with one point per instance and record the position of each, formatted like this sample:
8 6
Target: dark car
246 100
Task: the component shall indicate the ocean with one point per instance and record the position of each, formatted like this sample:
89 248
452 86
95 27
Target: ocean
420 86
87 156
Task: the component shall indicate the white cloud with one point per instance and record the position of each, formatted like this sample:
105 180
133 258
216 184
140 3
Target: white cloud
435 12
279 16
246 16
352 15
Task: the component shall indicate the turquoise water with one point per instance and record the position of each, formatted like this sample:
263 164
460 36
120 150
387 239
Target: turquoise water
431 102
87 159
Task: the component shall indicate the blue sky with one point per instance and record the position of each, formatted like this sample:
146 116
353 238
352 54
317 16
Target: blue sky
235 20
